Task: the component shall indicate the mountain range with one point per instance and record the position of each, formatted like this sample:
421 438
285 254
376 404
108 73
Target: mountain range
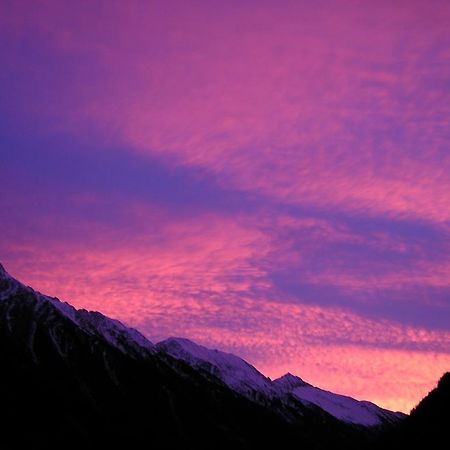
77 379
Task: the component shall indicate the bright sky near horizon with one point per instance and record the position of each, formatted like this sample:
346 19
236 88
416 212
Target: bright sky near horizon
271 178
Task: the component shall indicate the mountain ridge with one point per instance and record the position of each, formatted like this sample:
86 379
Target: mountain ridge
233 371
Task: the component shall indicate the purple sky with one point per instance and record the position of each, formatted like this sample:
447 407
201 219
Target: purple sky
267 177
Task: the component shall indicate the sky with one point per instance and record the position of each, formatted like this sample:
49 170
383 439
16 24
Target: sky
270 178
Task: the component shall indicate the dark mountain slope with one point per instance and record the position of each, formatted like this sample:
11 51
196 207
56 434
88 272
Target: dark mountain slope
434 409
428 424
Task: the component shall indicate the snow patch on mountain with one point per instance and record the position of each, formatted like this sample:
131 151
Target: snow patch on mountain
342 407
230 369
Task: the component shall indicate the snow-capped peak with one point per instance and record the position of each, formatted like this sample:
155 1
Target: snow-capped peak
288 382
230 369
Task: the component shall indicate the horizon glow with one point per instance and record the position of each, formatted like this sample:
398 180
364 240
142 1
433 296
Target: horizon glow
267 178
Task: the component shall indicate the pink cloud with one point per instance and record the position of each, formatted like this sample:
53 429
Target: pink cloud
265 102
269 105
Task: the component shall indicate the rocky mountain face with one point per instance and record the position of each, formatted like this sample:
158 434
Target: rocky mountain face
77 379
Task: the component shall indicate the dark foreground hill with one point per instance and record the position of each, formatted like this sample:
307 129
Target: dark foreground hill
428 424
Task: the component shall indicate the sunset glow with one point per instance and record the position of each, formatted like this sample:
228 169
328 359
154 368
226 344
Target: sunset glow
271 178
